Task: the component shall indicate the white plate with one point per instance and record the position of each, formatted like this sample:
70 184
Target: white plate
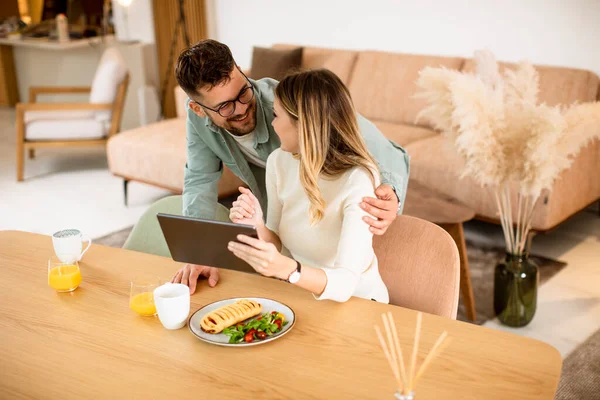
222 339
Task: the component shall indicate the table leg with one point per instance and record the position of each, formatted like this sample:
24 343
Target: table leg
456 231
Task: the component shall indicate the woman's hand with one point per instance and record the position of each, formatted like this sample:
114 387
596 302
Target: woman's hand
263 257
246 209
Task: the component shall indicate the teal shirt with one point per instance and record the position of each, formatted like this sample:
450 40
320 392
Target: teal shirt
210 147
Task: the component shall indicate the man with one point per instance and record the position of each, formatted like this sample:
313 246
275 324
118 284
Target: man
229 122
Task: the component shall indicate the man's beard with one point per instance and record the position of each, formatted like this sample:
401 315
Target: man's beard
248 125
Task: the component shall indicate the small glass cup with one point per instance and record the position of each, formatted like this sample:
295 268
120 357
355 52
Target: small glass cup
141 298
63 276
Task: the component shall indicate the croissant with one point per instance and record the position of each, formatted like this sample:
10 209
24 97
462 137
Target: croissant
224 317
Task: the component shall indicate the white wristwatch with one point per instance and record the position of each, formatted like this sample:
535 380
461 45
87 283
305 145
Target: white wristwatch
295 276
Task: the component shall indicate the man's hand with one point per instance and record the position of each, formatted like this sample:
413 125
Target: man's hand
384 209
189 274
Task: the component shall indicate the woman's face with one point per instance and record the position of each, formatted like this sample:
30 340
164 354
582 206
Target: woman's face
286 128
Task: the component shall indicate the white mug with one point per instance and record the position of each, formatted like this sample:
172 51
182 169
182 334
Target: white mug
172 301
67 245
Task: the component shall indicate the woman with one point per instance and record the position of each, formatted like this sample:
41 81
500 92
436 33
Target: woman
315 182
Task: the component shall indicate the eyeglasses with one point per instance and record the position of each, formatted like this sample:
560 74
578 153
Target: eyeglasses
228 108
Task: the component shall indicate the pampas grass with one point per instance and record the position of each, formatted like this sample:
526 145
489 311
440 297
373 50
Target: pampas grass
504 136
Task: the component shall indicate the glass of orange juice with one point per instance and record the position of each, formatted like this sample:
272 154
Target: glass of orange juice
63 277
141 298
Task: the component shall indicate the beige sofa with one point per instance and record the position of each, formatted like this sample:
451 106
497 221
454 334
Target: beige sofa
155 154
382 86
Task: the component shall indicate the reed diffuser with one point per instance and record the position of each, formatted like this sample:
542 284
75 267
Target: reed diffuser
406 378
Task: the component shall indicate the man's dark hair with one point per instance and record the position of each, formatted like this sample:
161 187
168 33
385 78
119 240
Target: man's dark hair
207 63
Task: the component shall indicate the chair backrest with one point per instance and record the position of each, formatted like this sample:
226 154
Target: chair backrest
420 266
108 78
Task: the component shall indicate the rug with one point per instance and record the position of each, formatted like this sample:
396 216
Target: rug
482 262
580 377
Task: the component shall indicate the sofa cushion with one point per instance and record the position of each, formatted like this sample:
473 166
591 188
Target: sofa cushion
156 154
558 85
383 84
339 62
403 134
274 63
65 129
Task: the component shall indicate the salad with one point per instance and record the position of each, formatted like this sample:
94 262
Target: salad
260 328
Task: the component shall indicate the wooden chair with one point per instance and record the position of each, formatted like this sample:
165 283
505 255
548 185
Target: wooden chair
53 125
420 266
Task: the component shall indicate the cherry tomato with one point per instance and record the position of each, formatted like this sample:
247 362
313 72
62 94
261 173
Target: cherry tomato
261 335
273 312
252 331
278 323
248 338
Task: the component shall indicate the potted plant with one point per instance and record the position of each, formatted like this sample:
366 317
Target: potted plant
509 143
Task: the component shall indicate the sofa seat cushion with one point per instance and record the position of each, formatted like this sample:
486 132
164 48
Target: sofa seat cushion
403 134
339 62
558 85
156 154
436 164
383 84
65 129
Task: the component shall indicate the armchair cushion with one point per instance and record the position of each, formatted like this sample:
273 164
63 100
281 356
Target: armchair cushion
110 73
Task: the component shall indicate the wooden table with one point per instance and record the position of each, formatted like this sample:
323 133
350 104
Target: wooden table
88 344
447 212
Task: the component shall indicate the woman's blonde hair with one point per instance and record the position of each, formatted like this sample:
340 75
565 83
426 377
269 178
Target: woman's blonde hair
330 141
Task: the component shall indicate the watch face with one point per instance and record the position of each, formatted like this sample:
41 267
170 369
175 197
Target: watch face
294 277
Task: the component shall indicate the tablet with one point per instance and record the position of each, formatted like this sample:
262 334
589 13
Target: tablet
204 242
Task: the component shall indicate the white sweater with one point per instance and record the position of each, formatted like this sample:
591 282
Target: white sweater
341 243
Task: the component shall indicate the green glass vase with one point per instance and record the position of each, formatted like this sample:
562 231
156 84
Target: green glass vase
515 290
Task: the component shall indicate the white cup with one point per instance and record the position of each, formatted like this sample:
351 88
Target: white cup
172 302
67 245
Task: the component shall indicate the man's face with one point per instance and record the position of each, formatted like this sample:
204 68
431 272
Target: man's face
243 119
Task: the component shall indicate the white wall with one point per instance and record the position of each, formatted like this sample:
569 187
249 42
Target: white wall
135 22
553 32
